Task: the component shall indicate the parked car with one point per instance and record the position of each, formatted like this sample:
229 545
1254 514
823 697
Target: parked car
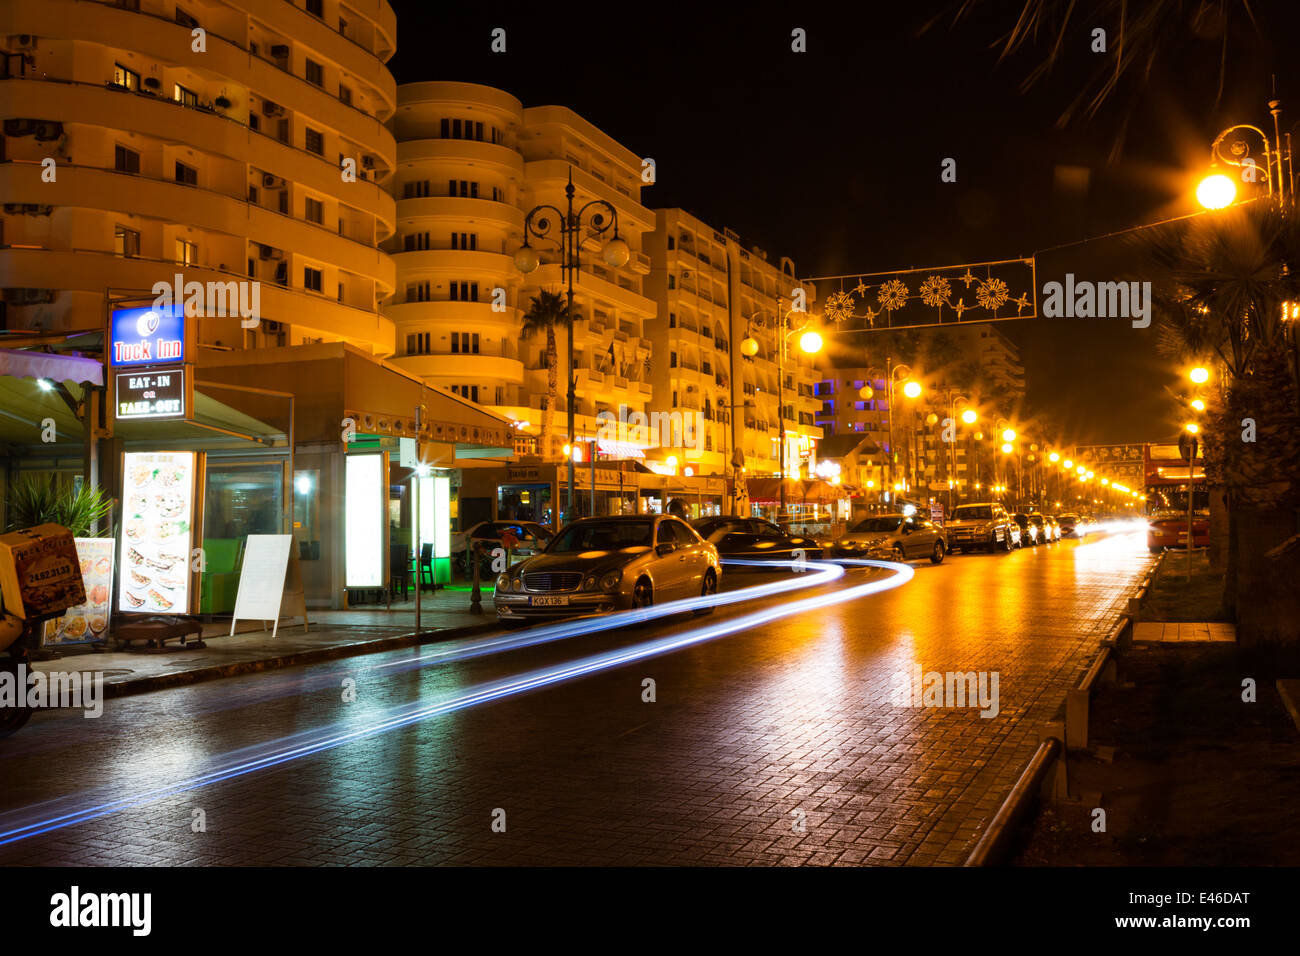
895 537
754 539
1030 532
532 538
598 565
1052 527
1069 525
1168 529
986 525
1042 531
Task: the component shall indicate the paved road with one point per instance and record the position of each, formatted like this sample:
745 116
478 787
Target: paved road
777 745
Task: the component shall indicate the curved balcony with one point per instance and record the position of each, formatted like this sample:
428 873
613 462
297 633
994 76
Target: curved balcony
166 201
464 152
167 41
550 176
464 263
92 272
589 285
434 96
458 210
479 316
479 369
167 122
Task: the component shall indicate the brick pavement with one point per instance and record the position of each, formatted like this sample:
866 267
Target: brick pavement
749 733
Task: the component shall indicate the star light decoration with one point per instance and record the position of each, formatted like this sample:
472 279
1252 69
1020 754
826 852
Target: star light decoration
935 291
838 307
991 294
892 295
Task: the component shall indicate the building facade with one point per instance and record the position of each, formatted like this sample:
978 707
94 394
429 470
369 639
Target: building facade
226 142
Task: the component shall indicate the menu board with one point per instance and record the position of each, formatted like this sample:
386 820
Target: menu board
157 511
261 580
87 622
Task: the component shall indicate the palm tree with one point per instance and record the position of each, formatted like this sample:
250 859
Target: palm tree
545 311
1221 280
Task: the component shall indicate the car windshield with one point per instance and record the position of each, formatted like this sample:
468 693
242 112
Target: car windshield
707 526
602 536
973 513
886 523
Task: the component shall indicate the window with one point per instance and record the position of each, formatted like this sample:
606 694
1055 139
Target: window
180 94
464 343
126 242
345 95
314 210
316 8
127 79
466 391
672 243
312 278
416 190
463 240
185 19
186 174
315 141
464 292
187 253
417 343
315 73
672 282
672 320
415 242
460 187
126 160
498 195
672 359
418 291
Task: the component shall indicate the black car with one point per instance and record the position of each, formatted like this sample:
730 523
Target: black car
753 539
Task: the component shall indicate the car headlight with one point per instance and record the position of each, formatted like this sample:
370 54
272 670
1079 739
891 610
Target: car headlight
589 584
610 580
519 583
503 582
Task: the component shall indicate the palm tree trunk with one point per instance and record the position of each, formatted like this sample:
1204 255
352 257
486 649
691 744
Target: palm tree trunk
552 392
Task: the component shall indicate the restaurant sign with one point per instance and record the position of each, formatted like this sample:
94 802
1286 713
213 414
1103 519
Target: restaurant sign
147 336
152 393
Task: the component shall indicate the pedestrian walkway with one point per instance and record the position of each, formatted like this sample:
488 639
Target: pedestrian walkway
330 634
1150 632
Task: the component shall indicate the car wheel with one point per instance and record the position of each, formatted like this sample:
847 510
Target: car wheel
643 594
936 556
899 554
1006 541
707 590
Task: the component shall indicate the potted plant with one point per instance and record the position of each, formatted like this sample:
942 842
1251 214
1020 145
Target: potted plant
41 499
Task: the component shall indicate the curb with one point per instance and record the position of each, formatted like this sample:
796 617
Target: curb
145 685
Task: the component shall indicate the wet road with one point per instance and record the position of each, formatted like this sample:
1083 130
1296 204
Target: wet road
784 744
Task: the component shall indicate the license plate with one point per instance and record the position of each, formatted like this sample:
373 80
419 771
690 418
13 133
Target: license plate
561 600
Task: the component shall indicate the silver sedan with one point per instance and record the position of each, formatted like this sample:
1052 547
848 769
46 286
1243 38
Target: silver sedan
597 565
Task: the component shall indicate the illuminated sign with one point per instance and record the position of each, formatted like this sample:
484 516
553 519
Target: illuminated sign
364 498
150 393
147 336
157 511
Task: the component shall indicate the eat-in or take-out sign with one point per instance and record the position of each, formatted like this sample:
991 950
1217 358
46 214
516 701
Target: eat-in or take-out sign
150 393
147 336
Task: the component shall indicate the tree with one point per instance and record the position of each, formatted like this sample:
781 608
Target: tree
1221 281
545 311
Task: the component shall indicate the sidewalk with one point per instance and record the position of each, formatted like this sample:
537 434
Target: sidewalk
445 614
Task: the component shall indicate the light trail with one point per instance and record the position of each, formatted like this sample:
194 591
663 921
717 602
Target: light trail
336 735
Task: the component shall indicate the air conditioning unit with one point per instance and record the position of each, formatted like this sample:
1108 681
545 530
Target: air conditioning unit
368 161
13 208
272 109
263 251
20 127
26 41
280 51
270 181
48 130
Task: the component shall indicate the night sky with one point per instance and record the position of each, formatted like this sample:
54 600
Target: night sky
832 157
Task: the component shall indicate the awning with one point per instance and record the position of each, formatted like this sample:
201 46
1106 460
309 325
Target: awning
55 368
768 491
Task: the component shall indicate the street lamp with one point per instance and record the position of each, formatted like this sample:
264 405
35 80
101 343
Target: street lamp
615 253
810 342
1199 375
1216 190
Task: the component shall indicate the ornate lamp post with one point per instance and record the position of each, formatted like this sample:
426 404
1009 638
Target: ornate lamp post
810 342
570 226
1232 148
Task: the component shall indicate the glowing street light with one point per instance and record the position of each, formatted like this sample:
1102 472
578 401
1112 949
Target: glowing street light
1216 191
1009 434
1199 375
811 342
1198 404
1193 428
912 389
1053 458
969 416
1067 464
1006 448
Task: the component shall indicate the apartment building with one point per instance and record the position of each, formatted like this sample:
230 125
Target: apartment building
712 294
472 161
226 140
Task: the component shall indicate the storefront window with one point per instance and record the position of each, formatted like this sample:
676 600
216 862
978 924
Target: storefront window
525 503
306 512
243 498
